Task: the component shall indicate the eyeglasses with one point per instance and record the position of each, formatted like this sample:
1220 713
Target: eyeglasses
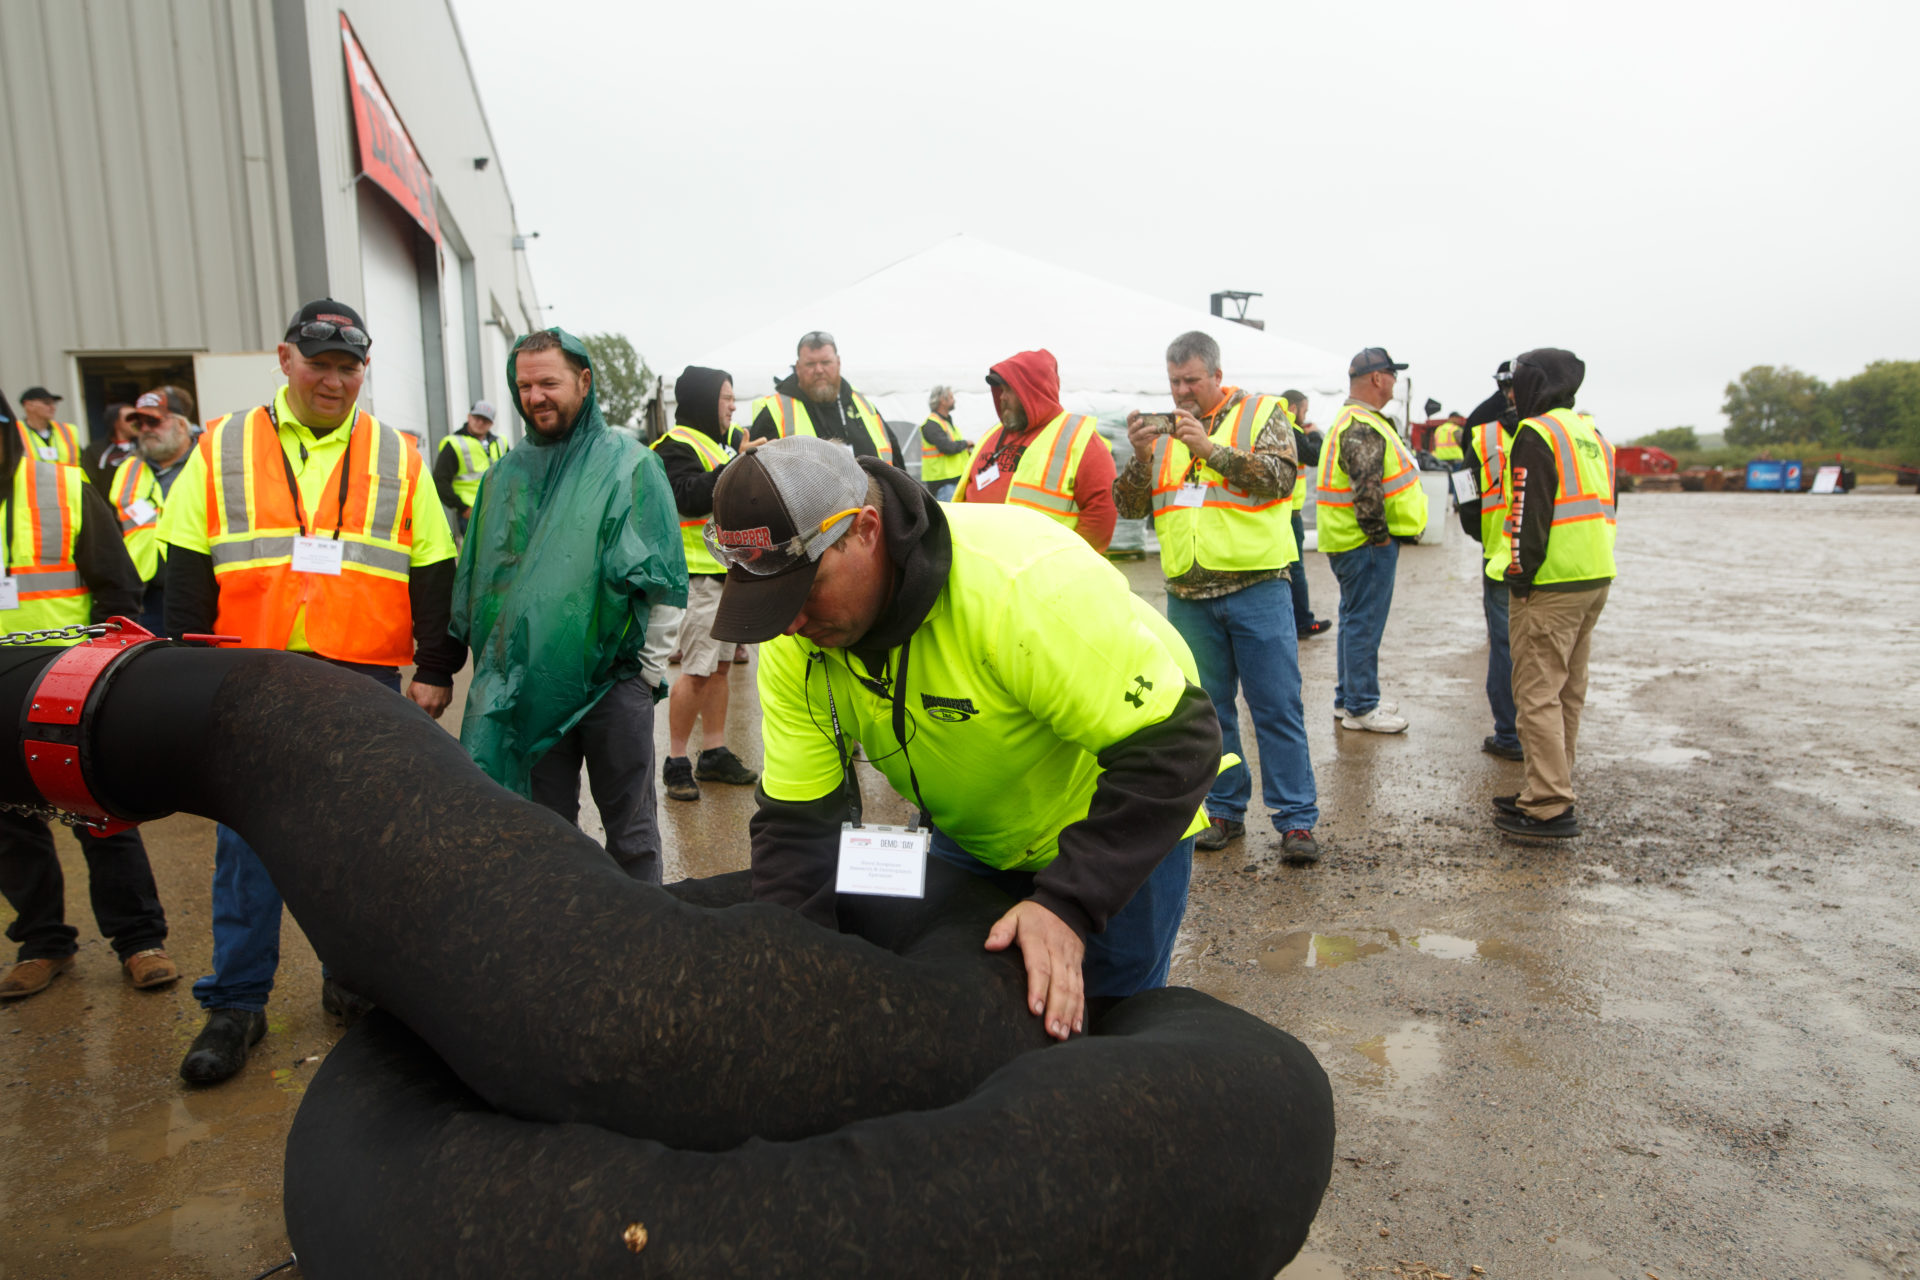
768 560
316 330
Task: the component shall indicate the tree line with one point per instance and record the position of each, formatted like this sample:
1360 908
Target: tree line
1877 408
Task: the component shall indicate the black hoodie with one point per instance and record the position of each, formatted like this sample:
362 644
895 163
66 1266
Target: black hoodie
1150 786
835 420
1543 380
696 404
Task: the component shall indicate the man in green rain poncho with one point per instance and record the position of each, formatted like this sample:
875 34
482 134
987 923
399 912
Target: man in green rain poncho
573 537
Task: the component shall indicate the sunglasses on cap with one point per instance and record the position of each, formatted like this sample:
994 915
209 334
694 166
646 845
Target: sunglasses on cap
767 560
319 330
144 419
818 338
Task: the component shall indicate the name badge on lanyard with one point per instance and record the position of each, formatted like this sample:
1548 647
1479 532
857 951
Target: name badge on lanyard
318 555
47 453
886 862
140 511
984 479
9 592
1190 495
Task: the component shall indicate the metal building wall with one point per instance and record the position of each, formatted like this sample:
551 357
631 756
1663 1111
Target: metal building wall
143 187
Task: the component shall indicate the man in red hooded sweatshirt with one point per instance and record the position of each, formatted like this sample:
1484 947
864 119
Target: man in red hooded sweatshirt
1041 456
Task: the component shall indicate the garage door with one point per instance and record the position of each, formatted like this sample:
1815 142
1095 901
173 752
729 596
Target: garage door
396 387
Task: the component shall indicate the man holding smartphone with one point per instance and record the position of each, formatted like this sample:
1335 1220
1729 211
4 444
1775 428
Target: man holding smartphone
1216 480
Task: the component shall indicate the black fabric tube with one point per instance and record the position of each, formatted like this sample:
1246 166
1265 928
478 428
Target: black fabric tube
558 988
1182 1138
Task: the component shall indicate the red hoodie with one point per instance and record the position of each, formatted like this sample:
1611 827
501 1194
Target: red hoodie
1035 378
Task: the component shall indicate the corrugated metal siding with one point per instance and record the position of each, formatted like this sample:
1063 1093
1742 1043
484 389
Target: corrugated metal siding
142 185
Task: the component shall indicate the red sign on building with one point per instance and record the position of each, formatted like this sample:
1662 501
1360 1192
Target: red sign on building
386 152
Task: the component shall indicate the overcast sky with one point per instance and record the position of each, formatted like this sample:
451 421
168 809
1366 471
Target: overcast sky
1674 191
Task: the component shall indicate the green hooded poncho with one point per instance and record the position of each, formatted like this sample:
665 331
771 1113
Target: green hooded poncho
571 541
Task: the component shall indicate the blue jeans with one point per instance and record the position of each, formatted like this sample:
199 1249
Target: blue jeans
1366 593
1302 608
1493 596
1246 643
1135 950
943 489
246 913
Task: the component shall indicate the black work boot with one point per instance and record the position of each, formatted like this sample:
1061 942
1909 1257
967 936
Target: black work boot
220 1050
1220 833
719 764
1559 827
676 775
342 1003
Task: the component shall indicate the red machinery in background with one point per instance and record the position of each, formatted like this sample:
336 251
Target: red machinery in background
1644 460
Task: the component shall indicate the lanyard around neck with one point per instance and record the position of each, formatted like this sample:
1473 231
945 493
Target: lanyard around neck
898 696
293 482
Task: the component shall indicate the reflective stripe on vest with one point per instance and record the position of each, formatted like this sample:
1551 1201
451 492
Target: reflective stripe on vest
361 615
1043 478
1405 501
693 538
790 418
45 515
1234 530
475 456
935 466
1580 543
134 482
61 438
1490 442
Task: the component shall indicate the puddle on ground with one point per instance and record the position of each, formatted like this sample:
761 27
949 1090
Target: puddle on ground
1401 1063
1313 1266
1306 950
1671 755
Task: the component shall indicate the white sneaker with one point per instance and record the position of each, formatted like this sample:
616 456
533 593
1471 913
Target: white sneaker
1340 713
1378 720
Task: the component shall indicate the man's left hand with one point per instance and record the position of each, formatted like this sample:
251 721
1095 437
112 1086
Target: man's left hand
430 698
1191 432
1052 952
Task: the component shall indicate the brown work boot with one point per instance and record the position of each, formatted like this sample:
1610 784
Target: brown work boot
150 968
30 977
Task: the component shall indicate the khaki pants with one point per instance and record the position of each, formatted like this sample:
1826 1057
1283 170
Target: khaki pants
1550 633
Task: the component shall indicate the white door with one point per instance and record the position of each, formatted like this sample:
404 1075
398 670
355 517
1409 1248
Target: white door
396 386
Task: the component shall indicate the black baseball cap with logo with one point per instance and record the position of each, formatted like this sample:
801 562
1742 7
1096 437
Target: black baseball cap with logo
39 393
1372 360
775 513
327 325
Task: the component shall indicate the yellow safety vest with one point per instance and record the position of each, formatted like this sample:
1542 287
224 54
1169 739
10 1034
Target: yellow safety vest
1232 530
475 457
1302 481
790 419
1446 443
1003 739
138 502
935 466
43 530
1406 501
63 440
1490 442
1043 479
693 536
1580 543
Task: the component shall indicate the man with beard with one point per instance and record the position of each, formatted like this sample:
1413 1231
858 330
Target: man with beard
814 400
1040 456
1560 480
943 454
164 419
574 541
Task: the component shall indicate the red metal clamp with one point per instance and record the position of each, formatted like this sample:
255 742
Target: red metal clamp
56 705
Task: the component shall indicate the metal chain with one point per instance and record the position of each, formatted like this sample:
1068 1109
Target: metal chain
79 631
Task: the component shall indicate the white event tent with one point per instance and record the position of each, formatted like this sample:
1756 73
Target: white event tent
952 311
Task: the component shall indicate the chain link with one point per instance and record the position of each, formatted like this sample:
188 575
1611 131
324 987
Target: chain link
79 631
48 813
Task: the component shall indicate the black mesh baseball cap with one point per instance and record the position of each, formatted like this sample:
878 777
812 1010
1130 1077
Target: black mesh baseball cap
39 393
1372 360
775 513
328 325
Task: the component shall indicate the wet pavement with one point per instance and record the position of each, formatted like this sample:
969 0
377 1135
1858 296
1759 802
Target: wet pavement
1686 1044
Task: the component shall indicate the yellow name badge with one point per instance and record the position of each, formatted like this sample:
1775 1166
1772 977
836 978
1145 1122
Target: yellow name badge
885 862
